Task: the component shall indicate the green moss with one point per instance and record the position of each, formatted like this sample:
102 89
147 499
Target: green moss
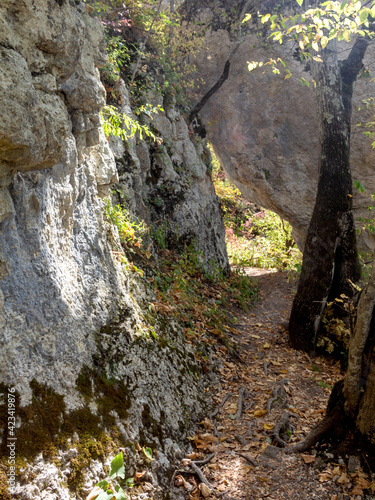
47 426
4 490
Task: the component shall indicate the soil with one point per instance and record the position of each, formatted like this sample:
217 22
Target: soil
278 381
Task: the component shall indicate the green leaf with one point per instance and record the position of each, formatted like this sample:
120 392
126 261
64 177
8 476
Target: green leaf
346 35
323 41
147 452
105 495
300 2
363 14
343 5
358 185
120 494
117 467
130 482
103 484
246 18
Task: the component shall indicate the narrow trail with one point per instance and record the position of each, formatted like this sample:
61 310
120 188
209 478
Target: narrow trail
270 380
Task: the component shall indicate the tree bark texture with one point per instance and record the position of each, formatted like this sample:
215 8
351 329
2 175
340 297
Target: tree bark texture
330 254
359 381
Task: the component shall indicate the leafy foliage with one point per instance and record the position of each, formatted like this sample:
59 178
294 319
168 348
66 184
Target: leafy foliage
106 489
255 238
235 209
312 29
184 290
130 231
124 126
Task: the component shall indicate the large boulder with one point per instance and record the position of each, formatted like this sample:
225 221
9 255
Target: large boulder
264 127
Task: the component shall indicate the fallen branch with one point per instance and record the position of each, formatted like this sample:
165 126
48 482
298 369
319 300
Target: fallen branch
205 461
248 458
201 476
241 399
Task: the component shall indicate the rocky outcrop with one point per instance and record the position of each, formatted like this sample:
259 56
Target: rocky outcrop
75 338
169 185
264 128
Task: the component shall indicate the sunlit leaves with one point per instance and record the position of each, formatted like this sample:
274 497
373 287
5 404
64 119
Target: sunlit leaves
324 42
330 20
117 467
246 18
124 126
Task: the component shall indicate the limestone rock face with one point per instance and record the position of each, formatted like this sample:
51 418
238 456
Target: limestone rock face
58 279
169 185
67 306
264 128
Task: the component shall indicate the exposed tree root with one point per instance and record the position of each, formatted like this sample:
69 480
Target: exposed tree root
217 410
319 430
283 424
240 439
241 399
205 461
278 393
248 458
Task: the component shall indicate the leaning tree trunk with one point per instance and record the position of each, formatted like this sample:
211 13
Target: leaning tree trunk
330 254
359 381
352 404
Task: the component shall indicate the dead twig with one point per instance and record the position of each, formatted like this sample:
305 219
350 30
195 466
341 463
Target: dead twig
217 410
241 399
201 476
248 458
205 461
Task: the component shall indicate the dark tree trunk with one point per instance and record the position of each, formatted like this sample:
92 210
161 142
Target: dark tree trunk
330 255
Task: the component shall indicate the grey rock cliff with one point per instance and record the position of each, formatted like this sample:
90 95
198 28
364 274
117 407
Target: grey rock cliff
264 128
66 304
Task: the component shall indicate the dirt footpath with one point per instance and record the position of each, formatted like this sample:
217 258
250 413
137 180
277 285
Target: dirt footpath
268 395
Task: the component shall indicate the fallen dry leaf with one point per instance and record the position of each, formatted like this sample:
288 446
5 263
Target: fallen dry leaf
205 490
260 413
357 490
308 459
343 479
268 427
